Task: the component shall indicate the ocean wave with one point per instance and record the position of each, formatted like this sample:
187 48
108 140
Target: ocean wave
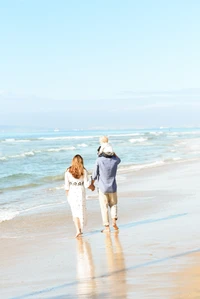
42 206
82 145
68 137
189 144
156 133
34 152
172 159
19 156
137 167
61 149
56 188
7 215
12 140
138 140
3 159
53 178
22 155
126 134
176 134
167 161
9 140
20 187
16 176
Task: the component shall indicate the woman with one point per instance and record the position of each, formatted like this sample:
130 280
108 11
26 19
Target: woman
76 181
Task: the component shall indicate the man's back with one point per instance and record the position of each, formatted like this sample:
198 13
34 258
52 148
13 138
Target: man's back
105 172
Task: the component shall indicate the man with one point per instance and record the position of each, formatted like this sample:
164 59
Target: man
105 173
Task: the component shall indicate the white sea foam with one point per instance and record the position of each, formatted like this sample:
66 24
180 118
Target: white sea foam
149 165
3 158
189 145
56 188
10 140
137 140
7 215
141 166
126 134
82 145
42 206
156 133
33 152
61 149
183 133
23 140
167 160
67 137
26 154
176 158
15 140
89 137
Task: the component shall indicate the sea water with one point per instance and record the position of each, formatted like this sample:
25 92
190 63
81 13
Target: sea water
32 165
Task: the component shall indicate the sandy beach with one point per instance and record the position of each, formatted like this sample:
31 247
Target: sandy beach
155 254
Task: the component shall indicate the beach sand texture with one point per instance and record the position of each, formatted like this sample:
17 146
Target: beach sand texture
155 254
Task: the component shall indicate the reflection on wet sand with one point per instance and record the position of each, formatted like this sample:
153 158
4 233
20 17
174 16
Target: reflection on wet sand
85 270
112 282
117 287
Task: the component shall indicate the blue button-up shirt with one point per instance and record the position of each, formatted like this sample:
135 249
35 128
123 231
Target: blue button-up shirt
105 173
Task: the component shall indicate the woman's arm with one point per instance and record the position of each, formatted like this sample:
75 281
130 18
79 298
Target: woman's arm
87 179
66 183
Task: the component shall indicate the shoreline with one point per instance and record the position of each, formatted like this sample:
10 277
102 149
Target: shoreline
58 191
122 170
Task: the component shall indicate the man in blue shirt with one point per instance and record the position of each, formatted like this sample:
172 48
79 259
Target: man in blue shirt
105 173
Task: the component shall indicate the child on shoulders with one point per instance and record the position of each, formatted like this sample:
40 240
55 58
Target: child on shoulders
105 148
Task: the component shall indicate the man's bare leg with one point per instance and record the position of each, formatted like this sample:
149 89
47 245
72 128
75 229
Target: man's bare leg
114 224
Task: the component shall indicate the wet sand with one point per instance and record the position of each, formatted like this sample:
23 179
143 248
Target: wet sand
188 280
156 253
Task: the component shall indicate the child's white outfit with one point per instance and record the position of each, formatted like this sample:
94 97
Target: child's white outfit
105 148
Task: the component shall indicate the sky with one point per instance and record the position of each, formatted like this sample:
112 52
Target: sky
91 64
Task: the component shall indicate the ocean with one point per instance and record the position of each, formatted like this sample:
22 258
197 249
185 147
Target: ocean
32 165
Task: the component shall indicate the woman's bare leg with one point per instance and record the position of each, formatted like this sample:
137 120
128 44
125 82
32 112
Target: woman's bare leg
106 229
78 226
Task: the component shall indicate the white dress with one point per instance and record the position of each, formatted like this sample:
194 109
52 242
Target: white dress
77 195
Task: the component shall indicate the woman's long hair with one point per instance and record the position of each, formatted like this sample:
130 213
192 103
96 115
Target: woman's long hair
77 167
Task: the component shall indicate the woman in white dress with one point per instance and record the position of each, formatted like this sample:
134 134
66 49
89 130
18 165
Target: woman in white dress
76 181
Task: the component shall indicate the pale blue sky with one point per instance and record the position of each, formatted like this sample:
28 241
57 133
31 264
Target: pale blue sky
134 60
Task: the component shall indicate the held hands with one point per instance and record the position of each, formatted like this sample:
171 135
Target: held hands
91 187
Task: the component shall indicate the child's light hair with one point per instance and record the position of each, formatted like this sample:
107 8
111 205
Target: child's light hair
103 139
